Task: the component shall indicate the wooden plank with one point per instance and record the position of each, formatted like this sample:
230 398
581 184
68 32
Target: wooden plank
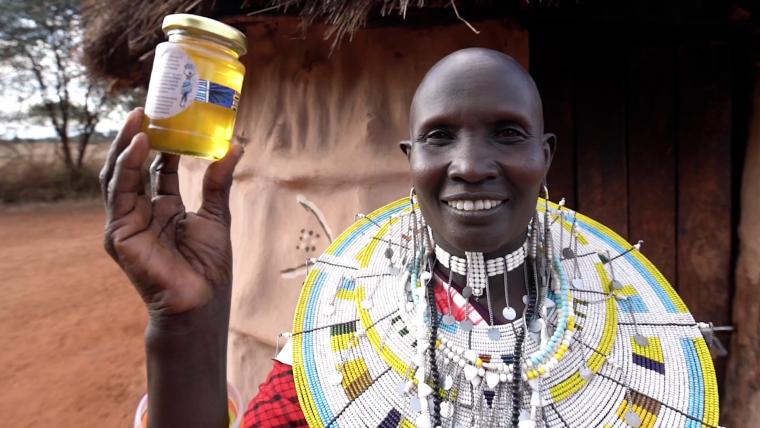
651 153
552 68
600 132
704 176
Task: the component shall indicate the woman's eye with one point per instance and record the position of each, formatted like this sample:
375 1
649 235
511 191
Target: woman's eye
438 135
508 133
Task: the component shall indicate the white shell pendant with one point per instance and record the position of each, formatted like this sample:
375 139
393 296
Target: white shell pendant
535 399
448 319
509 313
423 421
415 404
448 382
586 373
336 378
492 379
641 340
466 325
494 334
632 418
536 325
424 390
578 283
470 372
425 277
447 410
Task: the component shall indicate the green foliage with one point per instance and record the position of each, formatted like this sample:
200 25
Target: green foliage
41 56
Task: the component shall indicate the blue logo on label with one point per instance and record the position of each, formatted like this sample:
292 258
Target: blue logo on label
214 93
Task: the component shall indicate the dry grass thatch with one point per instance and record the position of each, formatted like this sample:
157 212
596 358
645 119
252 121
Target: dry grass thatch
120 34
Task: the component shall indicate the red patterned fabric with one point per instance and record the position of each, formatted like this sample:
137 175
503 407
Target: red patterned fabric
276 405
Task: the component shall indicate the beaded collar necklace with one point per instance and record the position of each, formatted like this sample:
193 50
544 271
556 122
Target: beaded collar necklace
476 269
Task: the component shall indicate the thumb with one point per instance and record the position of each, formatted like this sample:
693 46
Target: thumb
217 182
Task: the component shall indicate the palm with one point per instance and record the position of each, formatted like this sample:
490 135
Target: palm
177 261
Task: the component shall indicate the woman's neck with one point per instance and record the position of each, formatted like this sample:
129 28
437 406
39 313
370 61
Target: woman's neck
516 289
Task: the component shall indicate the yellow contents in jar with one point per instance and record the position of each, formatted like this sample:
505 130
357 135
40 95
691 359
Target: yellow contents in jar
193 94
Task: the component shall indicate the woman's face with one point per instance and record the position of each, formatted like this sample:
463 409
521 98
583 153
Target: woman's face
478 153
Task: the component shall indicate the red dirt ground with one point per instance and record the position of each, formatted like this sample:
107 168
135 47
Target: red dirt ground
71 326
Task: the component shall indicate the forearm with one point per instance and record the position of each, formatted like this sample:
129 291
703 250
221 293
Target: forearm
187 373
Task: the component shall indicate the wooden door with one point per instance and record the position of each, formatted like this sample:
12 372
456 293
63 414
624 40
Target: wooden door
644 123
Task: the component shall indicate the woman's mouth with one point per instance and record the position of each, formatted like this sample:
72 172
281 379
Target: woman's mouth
474 205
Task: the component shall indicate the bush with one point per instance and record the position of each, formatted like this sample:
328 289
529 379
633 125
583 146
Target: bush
46 181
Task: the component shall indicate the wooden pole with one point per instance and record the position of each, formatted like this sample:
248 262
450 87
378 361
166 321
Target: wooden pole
741 404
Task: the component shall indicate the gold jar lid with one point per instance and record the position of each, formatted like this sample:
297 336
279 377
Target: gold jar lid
208 26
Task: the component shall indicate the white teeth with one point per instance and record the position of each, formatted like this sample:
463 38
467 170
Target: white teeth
470 205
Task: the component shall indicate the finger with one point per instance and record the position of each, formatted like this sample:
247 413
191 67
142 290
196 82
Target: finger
127 186
163 175
132 126
217 182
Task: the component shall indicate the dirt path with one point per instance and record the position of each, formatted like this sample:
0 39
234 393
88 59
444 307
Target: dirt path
70 325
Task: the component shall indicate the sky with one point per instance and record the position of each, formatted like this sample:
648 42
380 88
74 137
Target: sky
14 100
27 130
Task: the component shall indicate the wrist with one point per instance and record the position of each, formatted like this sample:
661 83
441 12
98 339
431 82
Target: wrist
198 337
186 366
211 318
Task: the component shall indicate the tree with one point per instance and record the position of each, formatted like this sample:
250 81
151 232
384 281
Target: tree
40 51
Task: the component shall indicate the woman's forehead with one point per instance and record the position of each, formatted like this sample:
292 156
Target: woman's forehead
487 91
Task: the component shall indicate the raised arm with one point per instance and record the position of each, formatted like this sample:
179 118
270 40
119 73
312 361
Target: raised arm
181 264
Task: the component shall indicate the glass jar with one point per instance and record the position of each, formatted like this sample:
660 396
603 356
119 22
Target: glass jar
195 87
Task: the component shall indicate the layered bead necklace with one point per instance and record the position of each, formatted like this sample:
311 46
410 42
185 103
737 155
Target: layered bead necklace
445 364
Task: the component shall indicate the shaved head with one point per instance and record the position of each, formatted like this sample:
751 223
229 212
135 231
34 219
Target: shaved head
462 72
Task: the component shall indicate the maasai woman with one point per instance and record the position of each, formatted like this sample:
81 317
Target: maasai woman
471 302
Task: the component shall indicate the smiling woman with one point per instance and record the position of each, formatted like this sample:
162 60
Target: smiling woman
473 302
478 134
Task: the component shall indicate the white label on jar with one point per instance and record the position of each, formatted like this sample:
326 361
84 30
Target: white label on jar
173 82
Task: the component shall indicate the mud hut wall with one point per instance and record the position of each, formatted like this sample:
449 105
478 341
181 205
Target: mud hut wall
321 132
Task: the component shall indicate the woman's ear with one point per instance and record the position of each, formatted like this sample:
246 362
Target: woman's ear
550 147
406 147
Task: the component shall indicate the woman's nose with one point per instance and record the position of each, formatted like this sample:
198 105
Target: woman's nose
472 162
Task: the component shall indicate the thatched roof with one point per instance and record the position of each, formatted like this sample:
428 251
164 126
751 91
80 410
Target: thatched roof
120 35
